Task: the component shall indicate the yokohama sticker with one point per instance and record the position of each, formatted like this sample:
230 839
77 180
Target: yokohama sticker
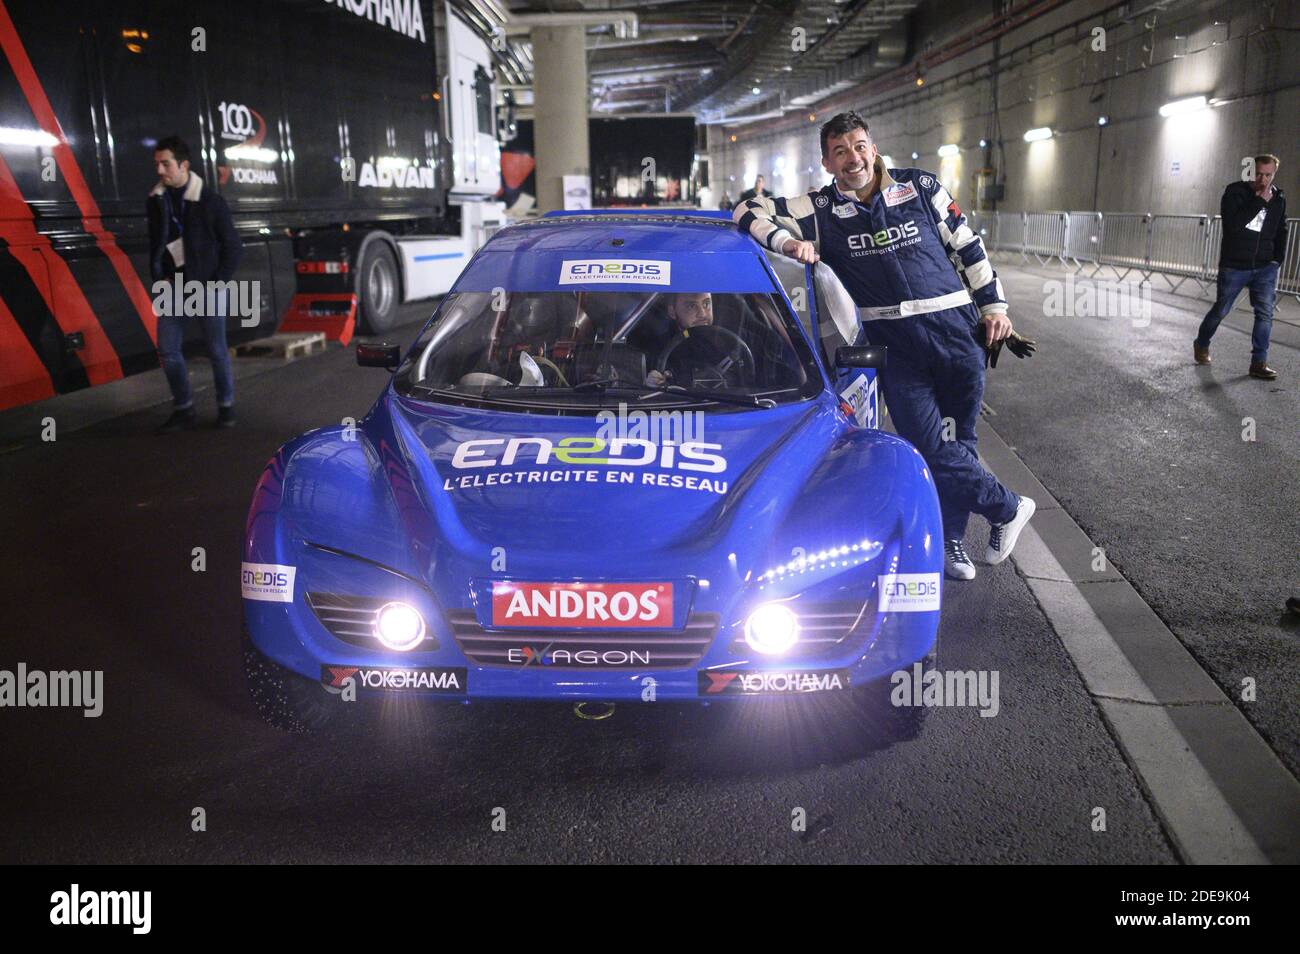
268 582
395 680
738 683
909 592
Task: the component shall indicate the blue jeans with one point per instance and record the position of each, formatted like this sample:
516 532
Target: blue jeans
936 372
1262 283
171 336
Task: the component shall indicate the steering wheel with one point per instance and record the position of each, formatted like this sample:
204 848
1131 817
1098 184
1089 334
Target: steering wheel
741 355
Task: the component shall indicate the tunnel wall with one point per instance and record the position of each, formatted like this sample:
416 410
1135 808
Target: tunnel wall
1050 72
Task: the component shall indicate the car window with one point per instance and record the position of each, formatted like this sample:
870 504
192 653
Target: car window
837 315
563 349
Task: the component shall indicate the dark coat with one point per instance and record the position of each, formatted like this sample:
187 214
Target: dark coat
212 246
1246 248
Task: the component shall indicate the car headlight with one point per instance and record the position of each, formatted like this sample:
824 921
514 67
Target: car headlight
772 629
399 626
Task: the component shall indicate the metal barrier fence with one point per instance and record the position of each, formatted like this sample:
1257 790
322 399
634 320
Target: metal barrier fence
1179 248
1046 234
1083 237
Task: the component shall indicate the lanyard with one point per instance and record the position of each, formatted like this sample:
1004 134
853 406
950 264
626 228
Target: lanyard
180 227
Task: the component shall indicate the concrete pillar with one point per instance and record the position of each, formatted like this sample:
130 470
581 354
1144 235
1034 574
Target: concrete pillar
560 104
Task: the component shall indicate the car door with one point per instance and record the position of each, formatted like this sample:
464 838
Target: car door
835 325
829 316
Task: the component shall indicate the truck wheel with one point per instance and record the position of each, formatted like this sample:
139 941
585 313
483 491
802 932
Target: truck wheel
378 289
286 700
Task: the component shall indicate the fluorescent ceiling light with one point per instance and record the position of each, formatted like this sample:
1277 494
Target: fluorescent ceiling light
951 149
13 136
1179 106
254 153
1039 134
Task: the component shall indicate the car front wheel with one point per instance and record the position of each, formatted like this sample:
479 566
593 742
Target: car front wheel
286 700
883 721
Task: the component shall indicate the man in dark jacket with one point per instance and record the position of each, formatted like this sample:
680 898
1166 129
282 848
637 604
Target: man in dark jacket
191 238
1254 243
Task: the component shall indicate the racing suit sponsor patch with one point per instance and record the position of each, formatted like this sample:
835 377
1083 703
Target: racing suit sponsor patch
268 582
845 211
395 679
777 682
899 192
909 592
638 271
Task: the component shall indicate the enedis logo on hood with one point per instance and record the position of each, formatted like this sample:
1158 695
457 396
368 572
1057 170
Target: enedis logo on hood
578 457
641 271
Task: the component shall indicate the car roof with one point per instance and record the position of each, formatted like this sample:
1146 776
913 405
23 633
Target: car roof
703 251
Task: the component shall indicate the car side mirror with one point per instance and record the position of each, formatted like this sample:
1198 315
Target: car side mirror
379 356
871 356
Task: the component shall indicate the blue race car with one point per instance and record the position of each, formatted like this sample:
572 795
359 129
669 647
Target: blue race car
619 464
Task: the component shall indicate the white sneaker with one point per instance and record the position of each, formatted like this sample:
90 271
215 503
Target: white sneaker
1003 536
956 564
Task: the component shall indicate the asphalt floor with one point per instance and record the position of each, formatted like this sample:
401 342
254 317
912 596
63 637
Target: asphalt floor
1142 449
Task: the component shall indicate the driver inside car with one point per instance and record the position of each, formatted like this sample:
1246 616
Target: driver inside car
686 311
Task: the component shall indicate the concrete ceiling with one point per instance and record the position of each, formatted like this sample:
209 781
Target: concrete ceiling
722 60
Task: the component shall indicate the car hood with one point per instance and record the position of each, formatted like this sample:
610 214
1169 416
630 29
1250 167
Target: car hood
608 484
434 492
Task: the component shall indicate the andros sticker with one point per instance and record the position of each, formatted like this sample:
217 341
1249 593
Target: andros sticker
268 582
601 605
620 270
909 592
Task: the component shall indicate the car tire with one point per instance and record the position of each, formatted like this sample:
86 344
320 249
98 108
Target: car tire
378 289
286 700
880 719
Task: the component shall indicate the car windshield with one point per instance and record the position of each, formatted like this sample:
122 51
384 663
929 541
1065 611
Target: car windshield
573 350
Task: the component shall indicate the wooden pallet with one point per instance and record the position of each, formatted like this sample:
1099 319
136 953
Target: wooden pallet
286 347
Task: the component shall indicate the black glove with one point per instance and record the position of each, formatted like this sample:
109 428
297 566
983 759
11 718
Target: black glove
1016 343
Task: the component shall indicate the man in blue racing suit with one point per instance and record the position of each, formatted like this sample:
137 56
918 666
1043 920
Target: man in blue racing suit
900 246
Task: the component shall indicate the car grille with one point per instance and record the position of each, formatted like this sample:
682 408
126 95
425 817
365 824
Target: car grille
349 618
825 629
568 648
